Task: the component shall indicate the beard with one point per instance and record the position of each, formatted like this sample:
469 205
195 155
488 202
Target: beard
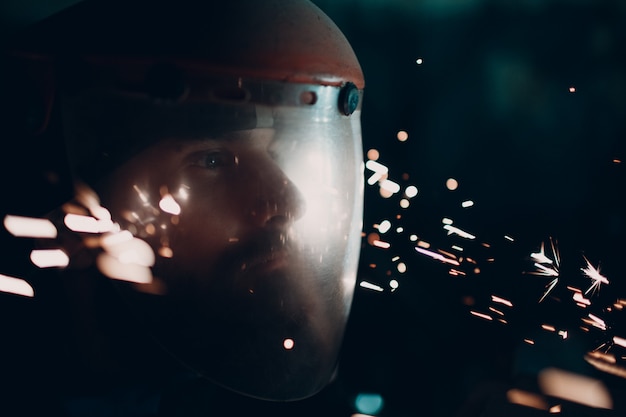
230 322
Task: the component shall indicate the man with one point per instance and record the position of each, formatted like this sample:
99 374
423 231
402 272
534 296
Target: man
217 145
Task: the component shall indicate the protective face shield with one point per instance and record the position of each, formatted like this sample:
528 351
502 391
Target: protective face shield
253 208
223 143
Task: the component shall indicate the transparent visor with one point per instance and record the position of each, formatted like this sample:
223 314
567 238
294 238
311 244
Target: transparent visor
252 214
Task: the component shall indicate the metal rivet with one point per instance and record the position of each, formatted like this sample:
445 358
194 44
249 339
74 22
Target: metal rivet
348 99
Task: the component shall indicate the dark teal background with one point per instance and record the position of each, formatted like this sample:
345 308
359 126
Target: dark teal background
490 106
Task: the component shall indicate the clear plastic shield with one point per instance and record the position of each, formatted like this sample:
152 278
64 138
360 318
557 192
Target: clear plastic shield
253 210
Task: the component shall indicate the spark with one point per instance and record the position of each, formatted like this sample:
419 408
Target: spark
594 274
574 387
402 136
452 184
580 299
288 344
437 256
87 224
495 310
481 315
497 299
143 197
411 191
547 266
380 171
381 244
526 399
595 321
16 286
183 192
549 288
384 226
390 186
169 205
49 258
605 363
114 268
371 286
128 249
373 154
455 230
20 226
620 341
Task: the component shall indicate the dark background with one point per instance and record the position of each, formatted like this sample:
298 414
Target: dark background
490 106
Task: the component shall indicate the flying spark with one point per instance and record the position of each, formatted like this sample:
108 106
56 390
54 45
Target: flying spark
547 266
594 274
16 286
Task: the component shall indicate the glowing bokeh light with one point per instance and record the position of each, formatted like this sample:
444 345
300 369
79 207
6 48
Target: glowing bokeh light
369 403
411 191
402 136
21 226
373 154
575 388
169 205
16 286
49 258
113 268
452 184
390 186
384 226
370 286
166 252
128 249
87 224
288 344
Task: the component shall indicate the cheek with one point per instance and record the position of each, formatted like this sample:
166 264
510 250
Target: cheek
207 222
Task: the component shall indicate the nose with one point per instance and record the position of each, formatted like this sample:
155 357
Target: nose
279 202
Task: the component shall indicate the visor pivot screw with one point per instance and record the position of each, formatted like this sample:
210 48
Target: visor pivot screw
348 99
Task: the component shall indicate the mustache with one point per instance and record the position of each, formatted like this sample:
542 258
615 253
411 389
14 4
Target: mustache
252 252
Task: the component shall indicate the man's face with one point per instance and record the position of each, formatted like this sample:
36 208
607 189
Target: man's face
239 287
234 205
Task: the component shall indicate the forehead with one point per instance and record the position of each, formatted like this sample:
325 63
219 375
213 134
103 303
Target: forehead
235 139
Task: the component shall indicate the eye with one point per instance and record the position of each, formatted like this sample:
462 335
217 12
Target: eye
214 159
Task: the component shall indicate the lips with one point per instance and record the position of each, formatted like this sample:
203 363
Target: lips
267 262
